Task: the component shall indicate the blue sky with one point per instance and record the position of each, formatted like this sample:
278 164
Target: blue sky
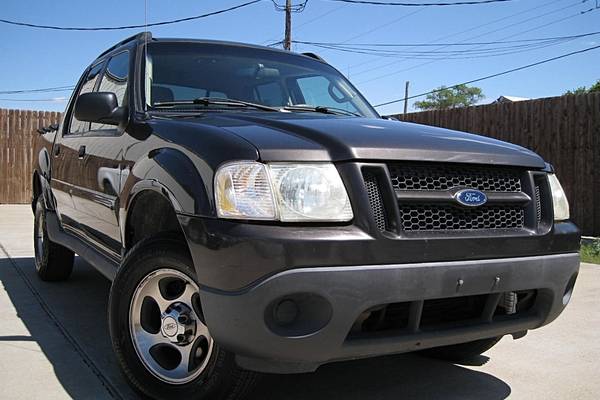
33 58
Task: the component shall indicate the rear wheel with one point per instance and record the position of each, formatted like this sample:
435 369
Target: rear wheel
159 333
463 351
53 262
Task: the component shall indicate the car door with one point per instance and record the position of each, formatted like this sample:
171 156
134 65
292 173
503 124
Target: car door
102 163
66 166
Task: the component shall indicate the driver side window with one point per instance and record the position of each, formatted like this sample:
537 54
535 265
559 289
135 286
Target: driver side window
114 80
77 127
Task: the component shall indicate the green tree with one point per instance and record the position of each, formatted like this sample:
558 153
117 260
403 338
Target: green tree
451 97
579 90
595 87
583 90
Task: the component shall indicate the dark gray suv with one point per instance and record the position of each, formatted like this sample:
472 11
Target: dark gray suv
255 213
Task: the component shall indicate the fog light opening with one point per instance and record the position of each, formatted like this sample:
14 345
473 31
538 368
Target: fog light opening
286 312
569 289
298 314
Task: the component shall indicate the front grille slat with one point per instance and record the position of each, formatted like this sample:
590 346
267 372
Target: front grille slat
376 201
538 204
441 217
446 176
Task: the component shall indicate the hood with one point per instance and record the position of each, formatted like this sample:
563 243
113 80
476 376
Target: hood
320 137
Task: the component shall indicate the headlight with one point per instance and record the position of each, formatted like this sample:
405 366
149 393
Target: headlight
310 192
281 191
242 190
559 199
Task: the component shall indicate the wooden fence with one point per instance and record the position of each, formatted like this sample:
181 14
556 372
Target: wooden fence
564 130
17 134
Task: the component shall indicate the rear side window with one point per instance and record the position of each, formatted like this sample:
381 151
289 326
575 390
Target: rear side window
76 126
114 80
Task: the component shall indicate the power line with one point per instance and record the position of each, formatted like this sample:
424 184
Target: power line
297 8
381 26
270 41
508 47
51 89
54 100
457 54
389 3
114 28
461 32
493 75
394 21
426 93
288 8
353 45
474 37
318 17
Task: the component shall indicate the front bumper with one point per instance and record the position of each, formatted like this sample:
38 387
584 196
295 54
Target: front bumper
326 302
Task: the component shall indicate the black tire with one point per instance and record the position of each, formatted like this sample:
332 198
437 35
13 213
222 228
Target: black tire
463 351
53 262
220 379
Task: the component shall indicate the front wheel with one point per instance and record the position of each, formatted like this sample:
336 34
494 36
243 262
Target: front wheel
159 333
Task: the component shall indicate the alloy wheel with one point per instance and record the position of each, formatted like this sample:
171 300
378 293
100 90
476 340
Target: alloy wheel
167 326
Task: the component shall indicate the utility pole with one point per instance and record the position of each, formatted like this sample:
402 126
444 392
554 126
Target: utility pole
287 41
406 97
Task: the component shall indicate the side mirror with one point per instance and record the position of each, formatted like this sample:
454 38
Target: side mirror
101 107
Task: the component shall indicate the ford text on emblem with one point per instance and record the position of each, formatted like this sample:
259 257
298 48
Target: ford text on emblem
470 197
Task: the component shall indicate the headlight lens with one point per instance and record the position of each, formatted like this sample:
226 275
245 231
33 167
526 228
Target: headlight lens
559 199
242 190
310 192
281 191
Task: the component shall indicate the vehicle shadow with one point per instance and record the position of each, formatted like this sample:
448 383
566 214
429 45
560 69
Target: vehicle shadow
78 308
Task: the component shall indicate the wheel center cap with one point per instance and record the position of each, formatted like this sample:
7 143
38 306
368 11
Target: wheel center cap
170 327
177 324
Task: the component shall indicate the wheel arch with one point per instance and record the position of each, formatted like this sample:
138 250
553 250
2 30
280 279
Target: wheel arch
151 210
39 187
165 183
36 186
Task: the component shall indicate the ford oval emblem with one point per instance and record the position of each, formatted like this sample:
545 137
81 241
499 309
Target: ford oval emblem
470 197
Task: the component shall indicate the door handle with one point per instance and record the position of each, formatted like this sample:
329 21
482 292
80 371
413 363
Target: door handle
81 151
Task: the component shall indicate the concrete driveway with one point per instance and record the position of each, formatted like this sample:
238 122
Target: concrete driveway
54 344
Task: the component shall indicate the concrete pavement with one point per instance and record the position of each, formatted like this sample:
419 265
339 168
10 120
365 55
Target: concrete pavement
54 344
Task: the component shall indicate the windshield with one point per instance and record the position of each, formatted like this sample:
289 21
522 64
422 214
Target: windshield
186 71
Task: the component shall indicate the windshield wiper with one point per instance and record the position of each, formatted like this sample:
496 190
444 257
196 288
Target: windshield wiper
322 110
208 101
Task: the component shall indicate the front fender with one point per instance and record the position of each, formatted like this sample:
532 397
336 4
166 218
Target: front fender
171 173
177 177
